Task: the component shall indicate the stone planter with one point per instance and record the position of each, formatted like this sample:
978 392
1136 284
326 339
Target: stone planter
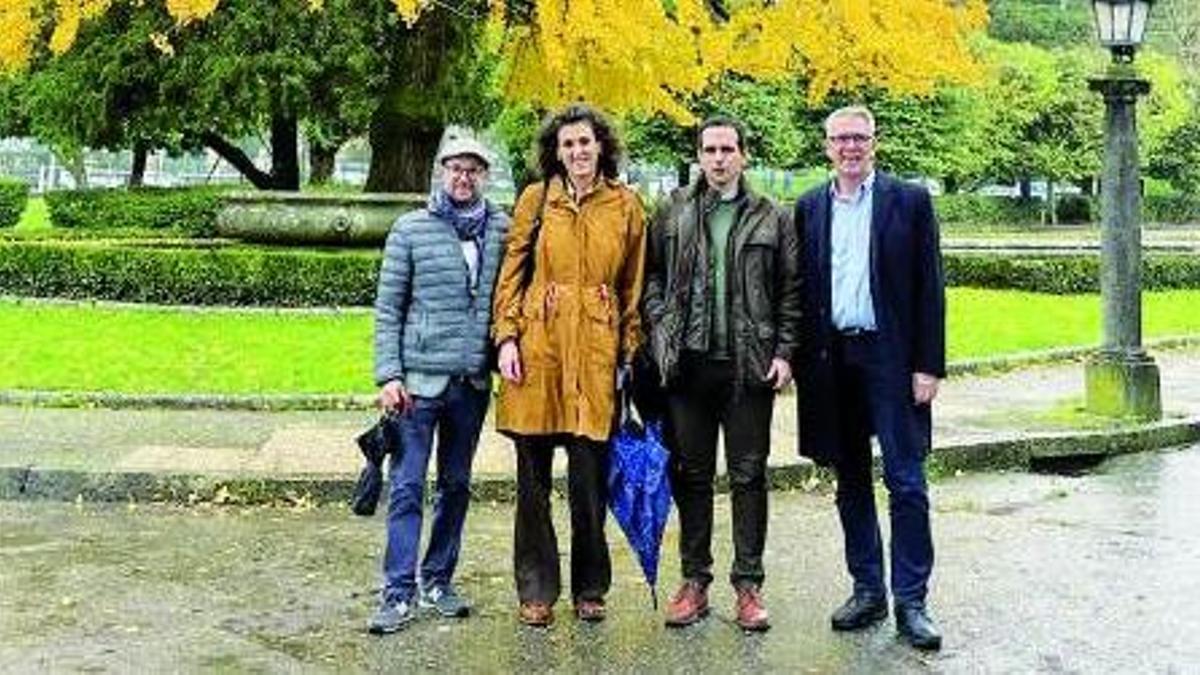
268 217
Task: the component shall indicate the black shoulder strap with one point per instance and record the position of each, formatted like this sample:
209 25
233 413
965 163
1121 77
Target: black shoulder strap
531 256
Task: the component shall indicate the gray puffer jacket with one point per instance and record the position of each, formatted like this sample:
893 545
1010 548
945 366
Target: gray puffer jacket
426 318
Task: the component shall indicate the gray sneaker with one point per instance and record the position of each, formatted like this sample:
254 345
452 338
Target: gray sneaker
391 617
445 601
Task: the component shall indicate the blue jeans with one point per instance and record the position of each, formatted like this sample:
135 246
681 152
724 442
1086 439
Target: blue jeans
457 417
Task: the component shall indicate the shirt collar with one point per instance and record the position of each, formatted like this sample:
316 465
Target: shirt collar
864 190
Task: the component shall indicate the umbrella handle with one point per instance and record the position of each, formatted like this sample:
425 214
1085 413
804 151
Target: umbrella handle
628 414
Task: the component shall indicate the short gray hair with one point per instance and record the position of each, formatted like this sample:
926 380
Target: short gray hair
860 111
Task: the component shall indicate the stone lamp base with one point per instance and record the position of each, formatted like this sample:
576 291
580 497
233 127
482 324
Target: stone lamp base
1123 384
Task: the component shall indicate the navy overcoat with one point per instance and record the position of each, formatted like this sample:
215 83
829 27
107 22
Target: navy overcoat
907 293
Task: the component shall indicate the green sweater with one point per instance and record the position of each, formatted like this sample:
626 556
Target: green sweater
720 224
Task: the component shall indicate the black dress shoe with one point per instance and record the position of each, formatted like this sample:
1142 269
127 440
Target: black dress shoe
917 628
859 612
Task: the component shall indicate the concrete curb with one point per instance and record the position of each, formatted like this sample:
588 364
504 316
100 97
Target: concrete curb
1022 453
1054 356
316 402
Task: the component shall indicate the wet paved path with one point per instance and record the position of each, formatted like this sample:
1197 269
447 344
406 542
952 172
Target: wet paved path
1035 574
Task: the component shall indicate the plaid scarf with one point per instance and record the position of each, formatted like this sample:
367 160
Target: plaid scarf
469 220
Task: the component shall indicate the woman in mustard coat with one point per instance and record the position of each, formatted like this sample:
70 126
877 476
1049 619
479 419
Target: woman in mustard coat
563 335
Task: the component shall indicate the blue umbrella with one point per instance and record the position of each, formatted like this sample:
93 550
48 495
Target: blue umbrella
639 490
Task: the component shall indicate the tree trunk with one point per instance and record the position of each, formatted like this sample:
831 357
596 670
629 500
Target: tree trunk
1051 199
73 163
238 159
285 160
1026 189
321 159
683 172
950 185
137 170
285 152
402 151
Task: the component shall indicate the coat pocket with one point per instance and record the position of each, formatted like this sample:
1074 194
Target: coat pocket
758 275
601 331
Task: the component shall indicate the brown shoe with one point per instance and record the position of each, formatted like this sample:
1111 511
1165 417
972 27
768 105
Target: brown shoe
591 611
751 613
689 605
536 614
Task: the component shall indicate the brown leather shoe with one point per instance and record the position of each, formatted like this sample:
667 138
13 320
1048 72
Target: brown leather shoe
689 605
591 611
536 614
751 613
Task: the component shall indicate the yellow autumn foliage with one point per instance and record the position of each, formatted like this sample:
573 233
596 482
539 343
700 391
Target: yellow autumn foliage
17 29
187 11
70 14
636 55
632 55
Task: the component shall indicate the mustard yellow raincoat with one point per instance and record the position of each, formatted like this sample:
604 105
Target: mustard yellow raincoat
579 317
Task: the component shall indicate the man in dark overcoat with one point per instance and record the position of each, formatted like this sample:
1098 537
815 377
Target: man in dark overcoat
872 352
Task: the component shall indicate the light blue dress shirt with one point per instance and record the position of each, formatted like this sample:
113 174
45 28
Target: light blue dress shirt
850 257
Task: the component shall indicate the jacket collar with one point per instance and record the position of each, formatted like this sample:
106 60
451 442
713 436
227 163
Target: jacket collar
707 197
865 190
559 193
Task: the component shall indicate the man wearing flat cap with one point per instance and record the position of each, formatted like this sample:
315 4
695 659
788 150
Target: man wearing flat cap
432 316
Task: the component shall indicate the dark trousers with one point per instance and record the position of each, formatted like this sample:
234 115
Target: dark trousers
705 401
535 546
874 398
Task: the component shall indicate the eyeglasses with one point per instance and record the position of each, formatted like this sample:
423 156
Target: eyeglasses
850 139
460 171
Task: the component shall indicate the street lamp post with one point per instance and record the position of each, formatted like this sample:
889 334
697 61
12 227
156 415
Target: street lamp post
1121 380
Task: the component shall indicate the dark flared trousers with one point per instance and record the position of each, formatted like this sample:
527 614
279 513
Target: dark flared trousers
707 401
535 546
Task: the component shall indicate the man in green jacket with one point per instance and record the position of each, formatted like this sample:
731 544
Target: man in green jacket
722 309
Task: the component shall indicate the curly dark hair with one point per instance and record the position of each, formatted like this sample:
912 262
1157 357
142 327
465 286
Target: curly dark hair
547 142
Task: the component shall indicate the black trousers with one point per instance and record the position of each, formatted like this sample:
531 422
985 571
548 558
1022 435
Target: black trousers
706 401
535 546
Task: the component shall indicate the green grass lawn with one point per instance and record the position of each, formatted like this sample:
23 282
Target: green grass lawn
35 217
984 323
86 348
81 348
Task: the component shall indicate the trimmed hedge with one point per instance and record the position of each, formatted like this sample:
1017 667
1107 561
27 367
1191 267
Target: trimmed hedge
192 210
987 210
1063 274
112 235
969 209
230 275
14 194
194 276
1182 209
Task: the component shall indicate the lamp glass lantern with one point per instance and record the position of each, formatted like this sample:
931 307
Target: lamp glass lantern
1121 25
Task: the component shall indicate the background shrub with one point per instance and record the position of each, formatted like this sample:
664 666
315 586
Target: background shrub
987 210
964 209
240 275
192 210
1074 209
14 194
1063 274
192 276
1181 209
